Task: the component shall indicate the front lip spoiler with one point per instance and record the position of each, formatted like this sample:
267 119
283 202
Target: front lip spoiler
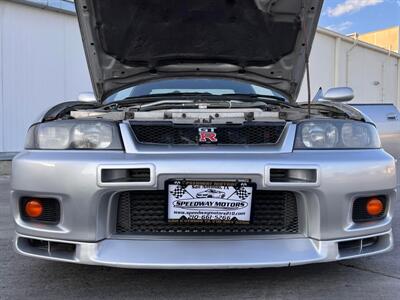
195 253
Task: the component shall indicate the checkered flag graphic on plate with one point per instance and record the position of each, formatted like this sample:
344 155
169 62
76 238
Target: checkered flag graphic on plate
178 192
242 193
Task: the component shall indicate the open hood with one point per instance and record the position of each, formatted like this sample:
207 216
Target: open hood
262 41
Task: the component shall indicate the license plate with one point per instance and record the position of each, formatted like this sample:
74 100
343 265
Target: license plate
209 202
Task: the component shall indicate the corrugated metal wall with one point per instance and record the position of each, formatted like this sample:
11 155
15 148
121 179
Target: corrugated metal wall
372 72
42 63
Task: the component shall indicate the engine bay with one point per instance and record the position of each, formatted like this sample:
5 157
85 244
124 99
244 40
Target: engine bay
210 114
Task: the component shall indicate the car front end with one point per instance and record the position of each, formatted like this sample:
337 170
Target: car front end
201 160
307 205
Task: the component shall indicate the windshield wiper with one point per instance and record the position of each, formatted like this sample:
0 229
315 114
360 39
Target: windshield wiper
167 104
268 99
173 94
273 100
256 96
156 97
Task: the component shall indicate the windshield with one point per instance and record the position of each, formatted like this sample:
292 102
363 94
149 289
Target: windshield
192 85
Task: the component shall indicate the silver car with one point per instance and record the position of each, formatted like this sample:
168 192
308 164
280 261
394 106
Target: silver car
190 94
210 193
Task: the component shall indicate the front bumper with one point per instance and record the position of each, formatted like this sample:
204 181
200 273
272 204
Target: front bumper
207 253
88 207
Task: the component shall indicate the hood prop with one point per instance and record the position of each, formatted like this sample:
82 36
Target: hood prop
308 87
307 65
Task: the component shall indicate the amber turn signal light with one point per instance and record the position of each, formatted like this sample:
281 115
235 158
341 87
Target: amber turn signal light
375 207
33 208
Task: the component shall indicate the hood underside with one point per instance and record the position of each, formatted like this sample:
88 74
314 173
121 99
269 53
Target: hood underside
261 41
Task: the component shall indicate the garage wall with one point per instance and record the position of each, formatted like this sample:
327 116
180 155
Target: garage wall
372 72
42 63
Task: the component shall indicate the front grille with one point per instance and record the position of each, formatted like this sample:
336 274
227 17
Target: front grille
144 212
250 133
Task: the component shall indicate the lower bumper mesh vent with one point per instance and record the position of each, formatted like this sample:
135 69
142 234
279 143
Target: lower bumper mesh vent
144 212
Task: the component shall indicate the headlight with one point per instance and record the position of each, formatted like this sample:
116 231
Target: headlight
323 135
59 135
336 134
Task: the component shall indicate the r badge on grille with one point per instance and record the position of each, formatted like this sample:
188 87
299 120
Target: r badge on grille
207 135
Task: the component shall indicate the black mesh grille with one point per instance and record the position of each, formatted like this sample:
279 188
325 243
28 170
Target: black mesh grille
51 211
360 213
251 133
142 212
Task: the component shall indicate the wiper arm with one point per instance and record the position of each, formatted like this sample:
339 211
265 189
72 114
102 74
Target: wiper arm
155 97
273 100
216 103
256 96
180 104
163 95
166 102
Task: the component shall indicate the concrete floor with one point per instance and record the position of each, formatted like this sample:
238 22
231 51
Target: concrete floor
376 277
